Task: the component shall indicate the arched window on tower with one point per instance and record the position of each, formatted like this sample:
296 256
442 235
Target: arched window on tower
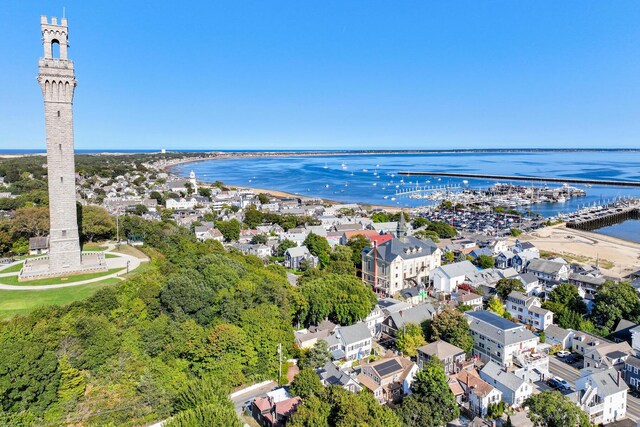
55 48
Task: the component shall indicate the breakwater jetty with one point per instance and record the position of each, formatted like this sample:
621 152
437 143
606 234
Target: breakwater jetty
526 178
602 216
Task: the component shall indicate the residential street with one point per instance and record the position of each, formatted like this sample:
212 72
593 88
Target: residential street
239 401
558 368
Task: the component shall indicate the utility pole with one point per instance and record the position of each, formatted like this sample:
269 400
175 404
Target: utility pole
280 361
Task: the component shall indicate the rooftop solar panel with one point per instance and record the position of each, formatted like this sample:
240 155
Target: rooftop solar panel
388 367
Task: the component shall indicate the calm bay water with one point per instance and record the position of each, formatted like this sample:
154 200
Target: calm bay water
368 178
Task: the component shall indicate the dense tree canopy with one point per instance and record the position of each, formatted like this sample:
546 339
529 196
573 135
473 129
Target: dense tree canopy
552 409
431 403
506 286
343 299
409 338
451 326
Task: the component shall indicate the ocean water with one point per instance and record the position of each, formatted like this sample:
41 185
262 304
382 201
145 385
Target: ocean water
629 230
368 178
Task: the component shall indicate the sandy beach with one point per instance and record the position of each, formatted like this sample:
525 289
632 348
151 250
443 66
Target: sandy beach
616 257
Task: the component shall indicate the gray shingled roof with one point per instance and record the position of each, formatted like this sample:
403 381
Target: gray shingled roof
407 247
416 315
545 266
605 380
457 269
440 349
497 328
495 372
298 251
355 333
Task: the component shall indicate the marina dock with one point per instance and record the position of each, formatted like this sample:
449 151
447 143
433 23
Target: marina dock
602 216
526 178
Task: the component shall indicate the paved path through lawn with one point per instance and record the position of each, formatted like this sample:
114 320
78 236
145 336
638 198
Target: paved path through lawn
120 261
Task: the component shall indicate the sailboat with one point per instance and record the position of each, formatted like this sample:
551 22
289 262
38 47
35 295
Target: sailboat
325 166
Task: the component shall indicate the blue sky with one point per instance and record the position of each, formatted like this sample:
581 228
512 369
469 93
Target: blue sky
333 74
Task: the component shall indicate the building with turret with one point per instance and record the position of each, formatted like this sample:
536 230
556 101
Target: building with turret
402 262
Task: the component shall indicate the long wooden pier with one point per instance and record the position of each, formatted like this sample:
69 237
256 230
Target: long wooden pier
607 182
608 215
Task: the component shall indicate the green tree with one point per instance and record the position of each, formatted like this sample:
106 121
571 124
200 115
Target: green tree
442 229
496 306
343 299
566 295
357 244
306 384
451 326
552 409
485 261
252 217
341 261
30 222
449 257
72 383
318 246
426 234
20 246
380 217
615 301
97 223
409 338
431 403
228 354
263 198
419 221
283 246
506 286
229 229
317 356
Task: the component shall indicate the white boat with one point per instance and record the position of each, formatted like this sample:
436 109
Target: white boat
325 166
326 186
465 182
393 198
343 165
385 197
365 170
375 183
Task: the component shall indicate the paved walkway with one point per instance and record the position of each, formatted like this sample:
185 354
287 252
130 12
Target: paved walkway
120 261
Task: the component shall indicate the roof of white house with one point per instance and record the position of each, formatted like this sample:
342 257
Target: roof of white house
457 269
298 251
507 379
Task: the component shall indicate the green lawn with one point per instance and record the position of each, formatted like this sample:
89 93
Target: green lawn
22 302
93 247
13 280
13 269
108 255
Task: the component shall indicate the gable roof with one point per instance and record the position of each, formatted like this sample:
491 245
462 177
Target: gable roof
440 349
495 372
298 251
355 333
497 328
545 266
457 269
417 315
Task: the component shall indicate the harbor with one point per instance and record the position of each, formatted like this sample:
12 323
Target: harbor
499 195
589 181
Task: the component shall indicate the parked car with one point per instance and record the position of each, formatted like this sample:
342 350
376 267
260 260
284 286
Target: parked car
563 353
559 383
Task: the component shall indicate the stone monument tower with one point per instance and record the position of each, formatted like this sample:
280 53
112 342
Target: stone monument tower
57 81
